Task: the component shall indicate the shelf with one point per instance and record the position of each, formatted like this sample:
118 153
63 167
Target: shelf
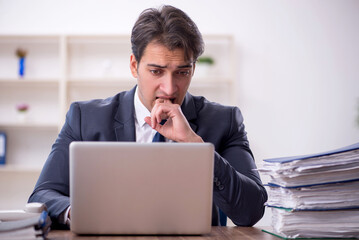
27 146
42 58
29 39
29 82
42 98
129 81
61 69
100 81
99 56
81 90
99 39
18 169
29 125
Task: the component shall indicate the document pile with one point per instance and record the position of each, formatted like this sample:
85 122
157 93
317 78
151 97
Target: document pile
315 196
23 224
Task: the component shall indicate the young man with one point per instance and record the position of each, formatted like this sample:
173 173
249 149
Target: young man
165 45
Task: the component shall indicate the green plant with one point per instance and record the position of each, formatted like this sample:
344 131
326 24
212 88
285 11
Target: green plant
205 60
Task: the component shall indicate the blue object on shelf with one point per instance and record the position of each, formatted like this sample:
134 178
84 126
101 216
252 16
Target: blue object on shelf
21 67
2 148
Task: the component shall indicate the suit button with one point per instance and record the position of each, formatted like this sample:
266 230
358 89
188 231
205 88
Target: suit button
215 179
218 183
221 187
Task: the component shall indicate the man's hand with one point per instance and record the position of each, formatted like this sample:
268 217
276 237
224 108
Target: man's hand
176 127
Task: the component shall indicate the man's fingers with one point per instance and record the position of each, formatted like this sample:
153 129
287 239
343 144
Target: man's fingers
148 120
158 127
160 111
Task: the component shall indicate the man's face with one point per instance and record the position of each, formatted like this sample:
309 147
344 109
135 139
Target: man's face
162 73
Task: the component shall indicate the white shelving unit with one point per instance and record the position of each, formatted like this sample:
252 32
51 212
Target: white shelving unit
61 69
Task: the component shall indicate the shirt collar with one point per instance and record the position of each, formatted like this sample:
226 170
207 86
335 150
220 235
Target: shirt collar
140 110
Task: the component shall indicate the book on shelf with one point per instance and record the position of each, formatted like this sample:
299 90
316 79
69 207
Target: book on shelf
315 196
2 148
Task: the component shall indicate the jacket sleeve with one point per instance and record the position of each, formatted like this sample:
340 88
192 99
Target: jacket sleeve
52 187
238 190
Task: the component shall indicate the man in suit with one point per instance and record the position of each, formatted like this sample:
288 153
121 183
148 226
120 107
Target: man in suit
165 46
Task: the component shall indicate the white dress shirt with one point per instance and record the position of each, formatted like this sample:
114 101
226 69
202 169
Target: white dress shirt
144 132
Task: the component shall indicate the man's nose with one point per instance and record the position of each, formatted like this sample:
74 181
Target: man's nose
168 85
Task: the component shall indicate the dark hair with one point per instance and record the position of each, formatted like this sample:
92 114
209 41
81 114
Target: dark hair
169 26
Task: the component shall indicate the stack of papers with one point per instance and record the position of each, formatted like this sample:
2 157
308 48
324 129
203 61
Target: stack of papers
315 196
16 225
328 196
315 224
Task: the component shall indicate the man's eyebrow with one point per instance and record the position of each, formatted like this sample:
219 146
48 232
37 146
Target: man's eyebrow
186 66
155 65
159 66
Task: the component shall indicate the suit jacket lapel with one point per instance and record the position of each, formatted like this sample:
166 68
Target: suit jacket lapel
125 120
189 110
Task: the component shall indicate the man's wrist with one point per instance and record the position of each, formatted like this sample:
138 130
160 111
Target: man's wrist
195 138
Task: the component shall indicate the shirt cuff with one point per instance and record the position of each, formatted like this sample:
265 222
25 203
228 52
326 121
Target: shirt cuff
64 217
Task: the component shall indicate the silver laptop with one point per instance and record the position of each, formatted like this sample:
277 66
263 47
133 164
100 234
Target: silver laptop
141 188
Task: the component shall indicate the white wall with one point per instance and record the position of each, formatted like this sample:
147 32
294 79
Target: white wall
298 61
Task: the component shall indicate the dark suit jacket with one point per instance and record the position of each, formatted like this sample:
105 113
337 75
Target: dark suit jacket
238 190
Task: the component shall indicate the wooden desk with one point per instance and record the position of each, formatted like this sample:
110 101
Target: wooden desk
218 233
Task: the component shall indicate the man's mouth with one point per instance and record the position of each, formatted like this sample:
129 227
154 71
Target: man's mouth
171 99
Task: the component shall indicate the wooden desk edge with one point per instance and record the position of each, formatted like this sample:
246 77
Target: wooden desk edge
224 233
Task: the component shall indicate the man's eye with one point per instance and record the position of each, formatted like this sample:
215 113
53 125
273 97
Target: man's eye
184 73
156 71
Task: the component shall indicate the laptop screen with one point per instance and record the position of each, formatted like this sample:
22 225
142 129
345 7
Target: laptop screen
141 188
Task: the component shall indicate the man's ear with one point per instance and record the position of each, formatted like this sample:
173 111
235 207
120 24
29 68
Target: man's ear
133 66
194 68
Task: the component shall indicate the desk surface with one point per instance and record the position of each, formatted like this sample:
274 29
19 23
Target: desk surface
217 233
